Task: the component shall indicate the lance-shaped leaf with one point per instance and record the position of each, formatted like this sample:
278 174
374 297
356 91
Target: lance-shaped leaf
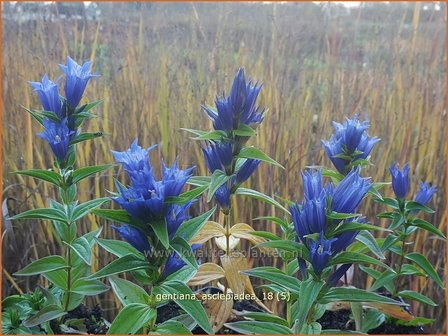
124 264
128 292
274 275
261 197
255 153
88 287
50 214
131 319
421 261
46 264
188 229
42 174
84 172
184 251
46 314
257 327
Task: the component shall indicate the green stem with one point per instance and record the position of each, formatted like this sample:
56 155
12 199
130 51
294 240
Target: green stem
69 280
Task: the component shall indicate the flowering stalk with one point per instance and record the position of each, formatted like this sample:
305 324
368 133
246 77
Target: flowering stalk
62 132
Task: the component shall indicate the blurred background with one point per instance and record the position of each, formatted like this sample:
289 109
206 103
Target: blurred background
159 61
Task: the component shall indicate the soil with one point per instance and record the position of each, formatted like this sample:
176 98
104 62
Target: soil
93 319
341 320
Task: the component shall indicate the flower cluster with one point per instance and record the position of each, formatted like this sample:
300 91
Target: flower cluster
59 123
350 145
147 199
400 185
311 218
237 111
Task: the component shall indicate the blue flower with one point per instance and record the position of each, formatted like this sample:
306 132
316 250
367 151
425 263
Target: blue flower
175 215
174 179
349 193
135 162
218 156
175 263
238 108
312 184
320 253
310 218
349 143
145 202
400 180
134 236
222 196
58 137
49 95
77 78
246 170
425 193
351 132
333 148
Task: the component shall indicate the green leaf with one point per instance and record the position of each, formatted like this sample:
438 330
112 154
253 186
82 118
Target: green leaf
408 269
212 135
47 313
218 179
255 153
188 229
51 214
397 221
188 195
418 321
42 174
415 206
256 328
393 203
119 248
337 215
57 278
193 131
376 275
369 241
355 258
46 264
84 172
184 251
87 107
285 245
355 226
89 287
124 264
184 274
340 332
409 294
244 130
35 114
422 262
265 317
191 307
384 279
128 292
172 327
282 222
261 197
351 294
82 248
131 319
265 235
85 136
422 224
388 242
160 228
121 216
309 291
84 208
274 275
199 181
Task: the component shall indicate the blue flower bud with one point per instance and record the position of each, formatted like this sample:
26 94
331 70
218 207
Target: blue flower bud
48 93
400 180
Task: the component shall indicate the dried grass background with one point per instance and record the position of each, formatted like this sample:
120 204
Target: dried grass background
159 61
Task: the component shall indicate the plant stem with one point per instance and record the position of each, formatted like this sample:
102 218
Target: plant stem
69 280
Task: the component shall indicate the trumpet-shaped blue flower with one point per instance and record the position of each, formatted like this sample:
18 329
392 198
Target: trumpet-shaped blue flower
145 202
175 263
349 143
400 180
310 217
222 196
425 193
313 187
246 170
58 136
77 77
351 132
320 253
174 179
134 236
175 215
349 193
238 108
135 162
218 155
48 93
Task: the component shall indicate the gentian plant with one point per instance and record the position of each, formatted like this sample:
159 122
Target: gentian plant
231 162
62 119
156 227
